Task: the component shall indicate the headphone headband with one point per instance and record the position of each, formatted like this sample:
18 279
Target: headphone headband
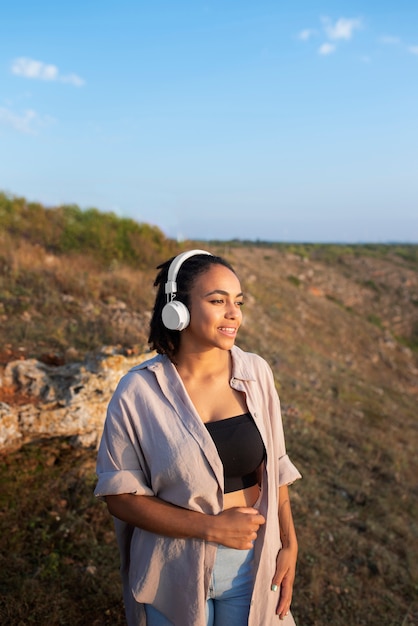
175 314
173 270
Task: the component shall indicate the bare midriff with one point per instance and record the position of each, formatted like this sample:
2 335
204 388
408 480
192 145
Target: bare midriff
243 497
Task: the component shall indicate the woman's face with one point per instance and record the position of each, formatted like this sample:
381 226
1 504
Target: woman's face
215 309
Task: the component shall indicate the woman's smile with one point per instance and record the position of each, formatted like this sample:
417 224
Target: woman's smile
232 331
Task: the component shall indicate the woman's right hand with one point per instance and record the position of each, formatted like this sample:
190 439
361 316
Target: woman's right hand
236 527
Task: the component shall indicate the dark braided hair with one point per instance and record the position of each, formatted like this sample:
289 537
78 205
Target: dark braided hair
161 339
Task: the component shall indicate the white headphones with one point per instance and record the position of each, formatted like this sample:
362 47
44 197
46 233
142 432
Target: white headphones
175 314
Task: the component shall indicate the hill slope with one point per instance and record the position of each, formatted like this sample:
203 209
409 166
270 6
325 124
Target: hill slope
339 326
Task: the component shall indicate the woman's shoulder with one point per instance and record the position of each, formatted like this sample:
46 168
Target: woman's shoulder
151 362
250 360
142 372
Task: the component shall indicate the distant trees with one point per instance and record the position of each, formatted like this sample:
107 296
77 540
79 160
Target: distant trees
68 228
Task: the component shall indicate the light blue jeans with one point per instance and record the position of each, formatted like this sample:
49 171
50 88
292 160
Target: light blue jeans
229 593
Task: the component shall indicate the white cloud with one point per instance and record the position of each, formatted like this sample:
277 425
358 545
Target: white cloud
27 122
413 49
73 79
343 28
306 34
22 123
30 68
326 48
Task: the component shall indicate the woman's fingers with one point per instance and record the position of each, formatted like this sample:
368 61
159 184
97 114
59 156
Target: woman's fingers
238 527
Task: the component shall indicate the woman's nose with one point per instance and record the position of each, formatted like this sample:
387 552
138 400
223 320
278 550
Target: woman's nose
233 311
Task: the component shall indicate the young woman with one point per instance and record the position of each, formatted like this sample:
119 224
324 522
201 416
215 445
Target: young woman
193 465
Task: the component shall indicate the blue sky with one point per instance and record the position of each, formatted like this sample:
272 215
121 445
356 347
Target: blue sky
272 120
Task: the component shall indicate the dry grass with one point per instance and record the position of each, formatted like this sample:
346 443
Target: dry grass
70 304
58 556
349 392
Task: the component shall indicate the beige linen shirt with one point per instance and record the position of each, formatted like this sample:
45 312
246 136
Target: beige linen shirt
154 443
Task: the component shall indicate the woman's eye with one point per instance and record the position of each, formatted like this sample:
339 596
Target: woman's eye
221 301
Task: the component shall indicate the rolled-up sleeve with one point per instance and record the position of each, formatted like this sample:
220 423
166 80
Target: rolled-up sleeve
120 465
121 481
288 473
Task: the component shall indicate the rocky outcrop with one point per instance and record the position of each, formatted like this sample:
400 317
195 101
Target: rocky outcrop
67 401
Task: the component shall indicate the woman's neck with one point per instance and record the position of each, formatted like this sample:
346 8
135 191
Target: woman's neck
207 364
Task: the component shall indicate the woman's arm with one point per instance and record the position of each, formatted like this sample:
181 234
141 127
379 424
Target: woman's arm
286 559
236 528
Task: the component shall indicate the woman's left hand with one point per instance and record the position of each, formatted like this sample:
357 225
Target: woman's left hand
283 580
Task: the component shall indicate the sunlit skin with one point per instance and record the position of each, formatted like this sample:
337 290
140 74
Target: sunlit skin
216 301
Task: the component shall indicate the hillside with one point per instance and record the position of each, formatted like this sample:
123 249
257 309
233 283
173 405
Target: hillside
339 325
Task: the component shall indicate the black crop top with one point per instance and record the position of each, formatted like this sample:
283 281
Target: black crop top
240 449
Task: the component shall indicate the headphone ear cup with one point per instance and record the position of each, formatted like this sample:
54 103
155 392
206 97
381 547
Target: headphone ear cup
175 315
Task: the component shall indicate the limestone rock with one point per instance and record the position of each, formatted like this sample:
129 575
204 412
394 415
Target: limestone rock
10 435
67 401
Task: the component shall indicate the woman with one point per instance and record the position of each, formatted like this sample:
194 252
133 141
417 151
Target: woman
193 466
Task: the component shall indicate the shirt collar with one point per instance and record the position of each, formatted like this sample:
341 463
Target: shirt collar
242 367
